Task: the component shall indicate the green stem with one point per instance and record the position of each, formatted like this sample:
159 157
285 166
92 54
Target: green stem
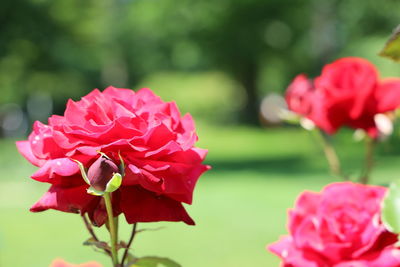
92 233
116 227
330 154
112 230
129 244
368 161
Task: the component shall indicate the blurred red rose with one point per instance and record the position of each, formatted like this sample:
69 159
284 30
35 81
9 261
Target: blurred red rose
155 142
339 227
303 99
62 263
347 93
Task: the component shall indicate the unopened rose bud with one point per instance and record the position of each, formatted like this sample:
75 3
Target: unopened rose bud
101 172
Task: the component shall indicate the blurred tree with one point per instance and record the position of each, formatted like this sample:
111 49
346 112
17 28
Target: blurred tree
67 47
244 34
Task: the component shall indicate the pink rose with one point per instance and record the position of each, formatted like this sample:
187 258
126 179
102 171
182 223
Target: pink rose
155 142
339 227
347 93
62 263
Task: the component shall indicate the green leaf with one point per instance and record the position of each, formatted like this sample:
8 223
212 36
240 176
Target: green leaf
390 213
114 183
154 262
83 171
392 47
98 244
94 192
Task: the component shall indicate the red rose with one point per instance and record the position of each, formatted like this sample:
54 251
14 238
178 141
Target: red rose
347 93
154 141
303 99
62 263
339 227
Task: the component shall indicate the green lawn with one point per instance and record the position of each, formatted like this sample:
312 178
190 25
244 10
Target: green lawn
239 207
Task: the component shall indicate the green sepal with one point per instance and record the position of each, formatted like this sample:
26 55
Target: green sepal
103 154
153 261
94 192
114 183
83 171
390 213
122 165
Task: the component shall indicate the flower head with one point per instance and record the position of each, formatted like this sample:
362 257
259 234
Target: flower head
155 143
339 227
347 93
62 263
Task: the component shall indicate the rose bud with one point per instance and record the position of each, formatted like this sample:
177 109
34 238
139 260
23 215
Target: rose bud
101 172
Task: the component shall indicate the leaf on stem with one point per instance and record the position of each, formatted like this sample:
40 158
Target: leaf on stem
153 261
150 229
392 46
98 244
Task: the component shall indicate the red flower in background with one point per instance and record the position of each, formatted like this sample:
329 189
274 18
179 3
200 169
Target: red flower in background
154 141
62 263
339 227
347 93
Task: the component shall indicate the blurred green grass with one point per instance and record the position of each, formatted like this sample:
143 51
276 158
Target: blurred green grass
239 206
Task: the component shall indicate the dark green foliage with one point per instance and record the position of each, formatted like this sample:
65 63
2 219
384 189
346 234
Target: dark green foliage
68 47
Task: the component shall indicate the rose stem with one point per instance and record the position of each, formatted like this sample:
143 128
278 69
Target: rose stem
330 154
91 232
116 227
112 230
369 160
129 243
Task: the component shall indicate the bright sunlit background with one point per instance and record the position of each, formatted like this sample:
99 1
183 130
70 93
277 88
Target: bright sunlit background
218 60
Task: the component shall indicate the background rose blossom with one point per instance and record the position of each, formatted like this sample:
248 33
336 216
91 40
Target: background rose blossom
62 263
347 93
339 227
155 142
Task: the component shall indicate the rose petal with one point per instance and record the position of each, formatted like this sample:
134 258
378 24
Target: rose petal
24 147
388 95
67 199
140 205
60 167
293 257
388 257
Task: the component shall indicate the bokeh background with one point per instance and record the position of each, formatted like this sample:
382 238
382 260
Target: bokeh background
218 60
